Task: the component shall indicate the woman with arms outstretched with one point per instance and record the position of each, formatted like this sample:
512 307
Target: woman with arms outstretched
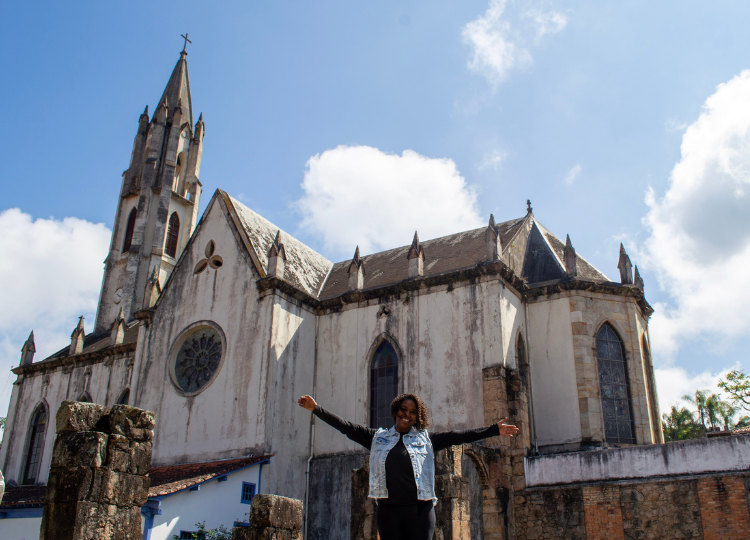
402 465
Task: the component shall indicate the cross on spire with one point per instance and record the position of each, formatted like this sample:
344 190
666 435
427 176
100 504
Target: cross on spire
185 37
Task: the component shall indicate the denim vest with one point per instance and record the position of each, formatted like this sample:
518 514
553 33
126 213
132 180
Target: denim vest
418 445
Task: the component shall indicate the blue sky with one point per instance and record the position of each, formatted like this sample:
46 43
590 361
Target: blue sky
467 108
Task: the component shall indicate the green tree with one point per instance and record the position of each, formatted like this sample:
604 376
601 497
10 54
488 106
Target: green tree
680 425
700 402
222 533
714 407
737 385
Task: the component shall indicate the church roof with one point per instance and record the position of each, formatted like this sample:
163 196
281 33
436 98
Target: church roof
96 342
178 90
305 268
540 258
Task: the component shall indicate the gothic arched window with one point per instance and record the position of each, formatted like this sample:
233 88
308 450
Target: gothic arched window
383 385
615 389
124 397
129 231
36 445
523 363
173 231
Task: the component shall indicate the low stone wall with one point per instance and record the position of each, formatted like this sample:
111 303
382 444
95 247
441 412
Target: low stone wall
272 518
709 507
98 479
700 456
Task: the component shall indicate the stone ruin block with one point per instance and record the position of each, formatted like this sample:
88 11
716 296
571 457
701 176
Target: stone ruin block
272 517
99 474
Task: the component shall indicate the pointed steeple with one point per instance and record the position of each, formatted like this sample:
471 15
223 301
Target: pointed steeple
77 338
569 254
492 240
416 257
276 258
638 280
28 350
625 267
177 93
356 272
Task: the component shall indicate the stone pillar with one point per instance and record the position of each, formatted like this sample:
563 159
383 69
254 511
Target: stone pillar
505 395
98 479
452 490
272 518
363 524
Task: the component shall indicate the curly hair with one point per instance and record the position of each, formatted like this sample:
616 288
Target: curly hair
423 422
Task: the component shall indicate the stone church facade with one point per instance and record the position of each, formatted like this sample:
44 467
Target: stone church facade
217 323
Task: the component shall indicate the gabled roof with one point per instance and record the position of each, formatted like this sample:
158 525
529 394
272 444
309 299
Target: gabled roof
305 269
173 478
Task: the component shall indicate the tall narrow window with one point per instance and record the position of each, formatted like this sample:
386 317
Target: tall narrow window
129 231
173 231
124 397
383 385
613 380
36 445
523 364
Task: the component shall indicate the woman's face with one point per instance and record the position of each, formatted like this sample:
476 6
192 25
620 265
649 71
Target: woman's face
406 416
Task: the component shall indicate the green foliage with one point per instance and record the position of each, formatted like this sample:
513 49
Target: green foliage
737 385
679 425
222 533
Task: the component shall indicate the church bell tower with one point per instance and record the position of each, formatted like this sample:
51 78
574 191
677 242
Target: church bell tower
157 208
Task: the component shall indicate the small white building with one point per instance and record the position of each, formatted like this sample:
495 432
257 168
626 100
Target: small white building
217 493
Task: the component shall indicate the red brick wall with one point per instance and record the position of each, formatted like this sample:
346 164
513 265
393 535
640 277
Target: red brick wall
710 508
724 508
602 514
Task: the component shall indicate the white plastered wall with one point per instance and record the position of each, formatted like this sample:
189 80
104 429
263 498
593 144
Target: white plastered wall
553 375
226 418
446 337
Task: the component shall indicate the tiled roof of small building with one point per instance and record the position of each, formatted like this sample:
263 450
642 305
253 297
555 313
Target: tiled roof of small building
23 496
172 478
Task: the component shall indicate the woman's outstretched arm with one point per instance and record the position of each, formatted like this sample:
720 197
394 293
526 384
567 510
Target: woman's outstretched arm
444 439
355 432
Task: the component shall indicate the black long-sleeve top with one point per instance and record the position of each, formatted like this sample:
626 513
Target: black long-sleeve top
399 474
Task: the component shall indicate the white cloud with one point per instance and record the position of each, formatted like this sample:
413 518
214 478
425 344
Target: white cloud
492 160
674 125
359 195
573 174
674 382
500 38
51 273
699 243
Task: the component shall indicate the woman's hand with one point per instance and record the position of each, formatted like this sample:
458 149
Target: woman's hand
506 430
306 402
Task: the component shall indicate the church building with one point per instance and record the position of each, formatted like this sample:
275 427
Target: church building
219 322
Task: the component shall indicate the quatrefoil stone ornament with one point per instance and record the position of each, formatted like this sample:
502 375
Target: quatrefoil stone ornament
214 261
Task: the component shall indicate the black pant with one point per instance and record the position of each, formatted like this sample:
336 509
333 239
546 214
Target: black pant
408 522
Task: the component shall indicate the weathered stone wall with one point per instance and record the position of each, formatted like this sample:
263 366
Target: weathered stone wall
329 501
272 518
713 507
99 475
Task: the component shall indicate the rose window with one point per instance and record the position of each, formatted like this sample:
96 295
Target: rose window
198 360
